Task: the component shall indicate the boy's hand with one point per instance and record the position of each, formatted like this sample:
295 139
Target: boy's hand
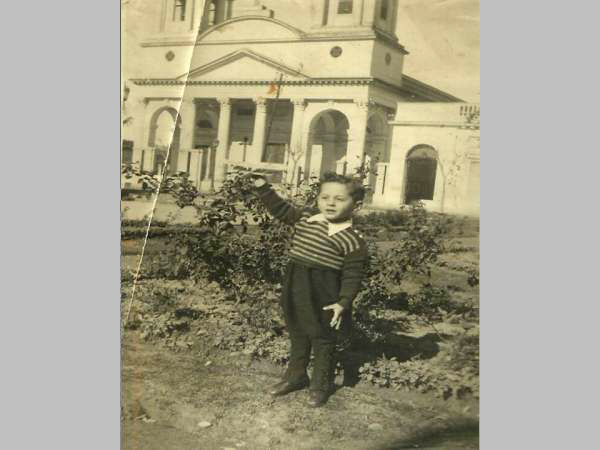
258 182
336 320
258 179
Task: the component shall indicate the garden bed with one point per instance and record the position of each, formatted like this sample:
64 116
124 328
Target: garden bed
189 377
207 303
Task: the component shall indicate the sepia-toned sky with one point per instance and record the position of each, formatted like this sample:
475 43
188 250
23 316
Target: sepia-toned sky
442 37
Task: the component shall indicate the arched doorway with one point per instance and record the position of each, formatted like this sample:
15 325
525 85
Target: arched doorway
165 130
327 143
421 167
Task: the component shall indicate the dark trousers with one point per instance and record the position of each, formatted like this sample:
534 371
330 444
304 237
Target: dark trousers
324 361
306 291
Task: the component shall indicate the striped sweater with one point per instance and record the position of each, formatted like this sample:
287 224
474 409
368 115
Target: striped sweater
318 243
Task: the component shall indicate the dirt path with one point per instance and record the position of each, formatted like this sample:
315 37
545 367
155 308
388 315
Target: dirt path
183 401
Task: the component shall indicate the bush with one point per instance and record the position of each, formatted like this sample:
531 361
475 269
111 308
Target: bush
158 315
454 371
249 267
220 249
384 219
383 288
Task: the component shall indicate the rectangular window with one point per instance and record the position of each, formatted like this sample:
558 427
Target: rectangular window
179 10
274 153
344 7
325 12
127 152
245 112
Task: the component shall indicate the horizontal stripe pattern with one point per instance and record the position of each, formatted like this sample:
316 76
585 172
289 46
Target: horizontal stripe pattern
311 243
345 250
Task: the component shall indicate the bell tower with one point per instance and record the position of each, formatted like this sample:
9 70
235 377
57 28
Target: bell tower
215 12
338 15
184 16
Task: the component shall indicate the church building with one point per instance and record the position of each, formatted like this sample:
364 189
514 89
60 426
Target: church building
298 91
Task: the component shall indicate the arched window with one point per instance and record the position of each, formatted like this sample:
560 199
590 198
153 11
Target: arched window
212 12
165 130
179 11
383 12
421 166
344 7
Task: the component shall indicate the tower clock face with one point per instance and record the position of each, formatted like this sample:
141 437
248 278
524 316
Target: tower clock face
335 51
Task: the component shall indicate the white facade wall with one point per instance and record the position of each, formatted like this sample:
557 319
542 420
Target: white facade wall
456 142
237 60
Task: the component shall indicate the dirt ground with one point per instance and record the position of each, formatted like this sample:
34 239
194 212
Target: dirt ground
205 398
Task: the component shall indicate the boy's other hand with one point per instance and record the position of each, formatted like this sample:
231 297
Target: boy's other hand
336 320
258 179
258 182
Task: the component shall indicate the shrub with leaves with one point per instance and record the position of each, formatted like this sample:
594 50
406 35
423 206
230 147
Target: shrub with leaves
412 254
158 313
454 371
236 244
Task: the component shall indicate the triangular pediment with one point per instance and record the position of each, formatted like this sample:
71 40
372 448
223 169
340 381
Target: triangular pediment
242 64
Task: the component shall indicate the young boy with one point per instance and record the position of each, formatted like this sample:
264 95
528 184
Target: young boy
327 262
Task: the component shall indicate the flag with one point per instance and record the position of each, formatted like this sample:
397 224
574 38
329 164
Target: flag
272 88
275 86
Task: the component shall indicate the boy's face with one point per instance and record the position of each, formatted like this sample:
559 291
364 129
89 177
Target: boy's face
335 202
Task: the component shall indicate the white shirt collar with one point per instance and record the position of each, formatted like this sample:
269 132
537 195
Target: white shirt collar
334 227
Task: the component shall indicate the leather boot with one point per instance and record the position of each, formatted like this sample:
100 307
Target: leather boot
317 399
285 387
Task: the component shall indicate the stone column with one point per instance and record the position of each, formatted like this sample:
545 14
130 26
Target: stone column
371 13
296 155
357 134
217 161
396 181
140 125
195 13
187 112
258 140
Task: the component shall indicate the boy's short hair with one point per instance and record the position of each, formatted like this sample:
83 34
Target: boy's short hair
355 187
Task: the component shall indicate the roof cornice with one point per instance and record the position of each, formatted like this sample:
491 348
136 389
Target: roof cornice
410 86
416 87
305 82
439 124
188 40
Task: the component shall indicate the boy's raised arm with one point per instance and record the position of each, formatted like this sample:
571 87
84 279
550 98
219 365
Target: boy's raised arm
278 207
